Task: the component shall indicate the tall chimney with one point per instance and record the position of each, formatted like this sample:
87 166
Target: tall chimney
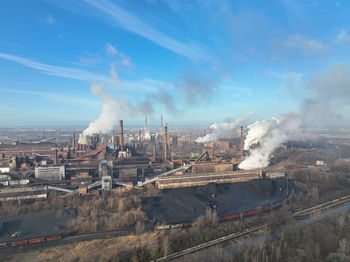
56 156
168 140
73 141
165 143
154 151
241 144
140 138
121 141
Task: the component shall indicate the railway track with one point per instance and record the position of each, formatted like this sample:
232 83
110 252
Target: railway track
211 243
329 204
90 236
300 213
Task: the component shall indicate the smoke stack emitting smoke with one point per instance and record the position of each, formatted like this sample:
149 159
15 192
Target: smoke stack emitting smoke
330 92
222 130
270 134
330 95
110 113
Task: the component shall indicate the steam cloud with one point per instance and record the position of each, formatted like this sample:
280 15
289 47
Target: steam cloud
269 134
222 130
330 94
330 98
110 113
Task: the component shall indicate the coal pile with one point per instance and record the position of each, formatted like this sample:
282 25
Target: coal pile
37 224
183 205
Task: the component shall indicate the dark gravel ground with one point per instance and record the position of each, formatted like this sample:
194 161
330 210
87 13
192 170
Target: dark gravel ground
36 225
186 204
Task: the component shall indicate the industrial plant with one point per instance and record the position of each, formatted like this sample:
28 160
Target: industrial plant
124 159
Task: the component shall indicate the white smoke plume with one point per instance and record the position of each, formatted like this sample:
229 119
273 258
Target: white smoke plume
223 130
110 113
270 134
330 97
257 130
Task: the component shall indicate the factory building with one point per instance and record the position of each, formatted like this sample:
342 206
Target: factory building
5 169
107 183
50 172
178 181
22 193
211 167
128 175
105 168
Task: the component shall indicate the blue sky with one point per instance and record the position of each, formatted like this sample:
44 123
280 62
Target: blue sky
195 62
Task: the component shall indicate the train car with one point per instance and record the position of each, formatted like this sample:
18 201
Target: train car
5 244
225 218
19 243
36 240
54 238
161 227
177 226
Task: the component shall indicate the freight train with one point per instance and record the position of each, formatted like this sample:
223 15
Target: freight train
237 215
30 241
220 219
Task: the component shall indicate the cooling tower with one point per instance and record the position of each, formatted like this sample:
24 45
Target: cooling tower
83 140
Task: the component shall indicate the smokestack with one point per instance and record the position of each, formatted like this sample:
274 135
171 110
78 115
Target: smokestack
56 156
169 140
154 151
73 141
241 144
140 138
165 143
121 141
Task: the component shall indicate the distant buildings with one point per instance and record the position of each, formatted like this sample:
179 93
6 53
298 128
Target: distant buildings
50 172
105 168
5 169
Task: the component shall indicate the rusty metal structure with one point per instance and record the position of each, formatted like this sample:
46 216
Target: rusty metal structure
121 132
165 146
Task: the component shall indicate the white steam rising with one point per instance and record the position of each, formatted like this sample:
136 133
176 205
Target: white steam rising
330 97
222 130
147 135
270 134
257 130
110 113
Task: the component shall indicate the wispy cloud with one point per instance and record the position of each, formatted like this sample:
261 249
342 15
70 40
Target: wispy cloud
142 86
343 37
111 50
72 73
117 16
122 59
290 80
89 60
305 44
55 97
